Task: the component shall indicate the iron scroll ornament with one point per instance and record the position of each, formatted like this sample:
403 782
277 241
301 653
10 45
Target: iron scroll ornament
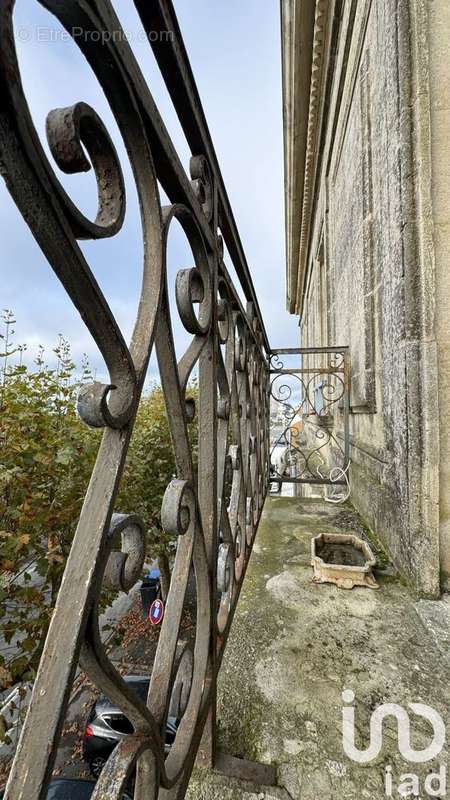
306 400
210 311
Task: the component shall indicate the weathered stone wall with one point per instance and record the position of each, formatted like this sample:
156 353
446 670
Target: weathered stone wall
439 84
371 220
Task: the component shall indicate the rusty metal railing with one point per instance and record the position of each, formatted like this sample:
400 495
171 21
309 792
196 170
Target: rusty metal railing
309 411
214 510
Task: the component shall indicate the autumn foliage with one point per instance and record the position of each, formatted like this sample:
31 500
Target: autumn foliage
46 459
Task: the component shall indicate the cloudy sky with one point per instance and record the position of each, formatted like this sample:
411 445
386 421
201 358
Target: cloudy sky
234 48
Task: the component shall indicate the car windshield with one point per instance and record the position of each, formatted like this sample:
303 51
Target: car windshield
119 723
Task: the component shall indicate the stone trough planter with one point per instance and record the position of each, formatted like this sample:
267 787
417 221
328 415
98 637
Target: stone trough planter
343 559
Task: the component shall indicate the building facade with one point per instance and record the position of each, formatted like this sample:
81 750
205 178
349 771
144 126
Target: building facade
367 173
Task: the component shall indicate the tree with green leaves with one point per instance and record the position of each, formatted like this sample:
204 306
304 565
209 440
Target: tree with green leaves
46 458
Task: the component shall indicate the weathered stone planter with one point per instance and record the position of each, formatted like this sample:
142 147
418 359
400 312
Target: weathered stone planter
343 559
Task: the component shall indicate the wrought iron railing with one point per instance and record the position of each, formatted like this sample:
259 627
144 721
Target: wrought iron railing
212 510
309 410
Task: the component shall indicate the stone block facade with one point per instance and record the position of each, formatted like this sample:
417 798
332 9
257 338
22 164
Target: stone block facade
367 144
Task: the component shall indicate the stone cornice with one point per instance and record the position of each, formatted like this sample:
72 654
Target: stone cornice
303 103
297 27
314 114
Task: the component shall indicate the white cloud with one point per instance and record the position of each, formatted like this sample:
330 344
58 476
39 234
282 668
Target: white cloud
234 48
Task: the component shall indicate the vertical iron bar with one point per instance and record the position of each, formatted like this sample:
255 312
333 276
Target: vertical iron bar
207 488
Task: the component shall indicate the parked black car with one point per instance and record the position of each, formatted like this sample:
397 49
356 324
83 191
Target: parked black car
63 789
106 725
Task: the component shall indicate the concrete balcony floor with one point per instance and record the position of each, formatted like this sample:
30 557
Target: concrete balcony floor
295 646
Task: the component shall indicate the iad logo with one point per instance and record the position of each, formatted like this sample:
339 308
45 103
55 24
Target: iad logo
404 731
409 786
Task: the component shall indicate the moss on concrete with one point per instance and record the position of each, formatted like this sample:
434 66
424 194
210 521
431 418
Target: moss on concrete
295 646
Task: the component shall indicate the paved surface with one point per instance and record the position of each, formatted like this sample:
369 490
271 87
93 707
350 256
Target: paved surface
131 648
109 626
295 646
